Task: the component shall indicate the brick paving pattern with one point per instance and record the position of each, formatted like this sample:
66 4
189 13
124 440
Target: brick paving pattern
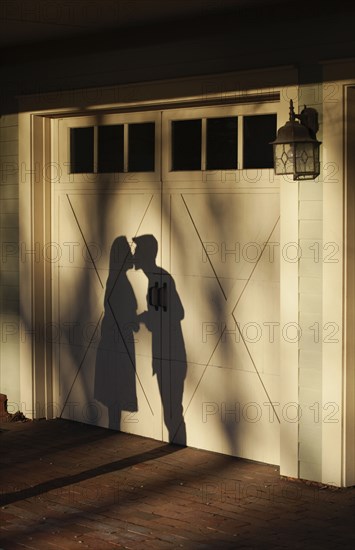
66 485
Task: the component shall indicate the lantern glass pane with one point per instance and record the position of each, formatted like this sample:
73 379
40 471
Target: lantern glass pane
307 165
304 159
284 158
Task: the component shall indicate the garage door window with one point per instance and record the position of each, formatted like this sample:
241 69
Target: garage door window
195 144
113 148
81 150
258 131
213 143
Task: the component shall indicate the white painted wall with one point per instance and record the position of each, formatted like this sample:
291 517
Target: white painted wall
310 239
9 263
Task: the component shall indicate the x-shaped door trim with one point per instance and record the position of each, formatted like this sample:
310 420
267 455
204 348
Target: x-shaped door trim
232 310
110 306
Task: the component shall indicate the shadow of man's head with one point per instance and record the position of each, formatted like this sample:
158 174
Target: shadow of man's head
145 253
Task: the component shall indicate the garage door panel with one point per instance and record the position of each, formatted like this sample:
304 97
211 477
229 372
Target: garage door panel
232 416
228 283
230 240
201 301
187 253
90 224
146 419
81 304
76 384
104 356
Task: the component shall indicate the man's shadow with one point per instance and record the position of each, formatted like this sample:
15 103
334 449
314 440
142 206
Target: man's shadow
163 319
115 371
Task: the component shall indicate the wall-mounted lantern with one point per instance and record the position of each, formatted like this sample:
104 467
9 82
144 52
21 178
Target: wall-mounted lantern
296 149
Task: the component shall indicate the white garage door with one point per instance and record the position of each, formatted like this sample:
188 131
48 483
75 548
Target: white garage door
166 288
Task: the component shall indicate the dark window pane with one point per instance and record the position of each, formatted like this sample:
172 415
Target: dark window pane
186 145
222 143
81 150
110 148
141 147
258 131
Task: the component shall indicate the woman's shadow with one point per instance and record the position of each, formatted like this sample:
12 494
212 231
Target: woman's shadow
115 370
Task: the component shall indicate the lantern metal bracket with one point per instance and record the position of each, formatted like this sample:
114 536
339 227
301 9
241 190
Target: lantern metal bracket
308 117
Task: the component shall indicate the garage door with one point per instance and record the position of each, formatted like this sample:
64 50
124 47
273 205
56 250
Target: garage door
166 286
